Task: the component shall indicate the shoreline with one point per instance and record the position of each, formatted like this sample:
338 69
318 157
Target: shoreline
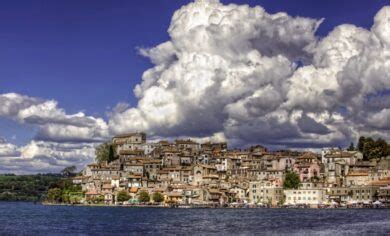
210 207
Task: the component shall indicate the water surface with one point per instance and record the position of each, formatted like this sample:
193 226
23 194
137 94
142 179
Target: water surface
27 218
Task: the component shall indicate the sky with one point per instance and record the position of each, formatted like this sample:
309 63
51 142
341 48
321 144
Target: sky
75 73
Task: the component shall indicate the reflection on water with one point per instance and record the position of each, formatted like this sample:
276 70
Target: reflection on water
27 218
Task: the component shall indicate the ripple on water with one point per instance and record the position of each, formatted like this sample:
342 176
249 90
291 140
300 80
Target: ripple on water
27 218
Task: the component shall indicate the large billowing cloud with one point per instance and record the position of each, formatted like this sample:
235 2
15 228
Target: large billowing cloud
233 70
234 73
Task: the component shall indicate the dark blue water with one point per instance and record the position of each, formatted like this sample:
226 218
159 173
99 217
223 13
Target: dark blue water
27 218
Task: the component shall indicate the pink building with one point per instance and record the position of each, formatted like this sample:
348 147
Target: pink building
307 166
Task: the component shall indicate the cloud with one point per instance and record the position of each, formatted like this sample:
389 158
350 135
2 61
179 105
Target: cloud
231 69
7 149
52 122
229 73
308 125
44 157
61 139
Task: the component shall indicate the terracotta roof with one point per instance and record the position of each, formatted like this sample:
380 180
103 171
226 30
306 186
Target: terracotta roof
188 141
216 191
207 166
340 154
131 152
133 189
174 194
152 161
107 186
92 192
211 177
134 164
357 174
308 155
381 182
134 177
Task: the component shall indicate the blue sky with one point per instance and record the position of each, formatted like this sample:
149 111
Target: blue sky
71 62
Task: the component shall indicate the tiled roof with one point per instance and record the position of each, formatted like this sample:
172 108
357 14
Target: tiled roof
357 174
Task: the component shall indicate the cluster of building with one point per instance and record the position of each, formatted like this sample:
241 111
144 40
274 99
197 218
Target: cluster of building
190 173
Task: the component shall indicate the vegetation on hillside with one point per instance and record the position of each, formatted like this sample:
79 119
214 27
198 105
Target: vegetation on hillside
26 187
41 187
105 152
64 191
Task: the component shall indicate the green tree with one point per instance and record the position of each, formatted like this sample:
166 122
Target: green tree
158 197
111 153
368 145
99 199
54 195
122 196
144 196
291 181
69 171
105 152
361 142
375 149
351 147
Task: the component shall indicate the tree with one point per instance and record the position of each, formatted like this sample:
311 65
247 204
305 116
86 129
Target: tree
54 195
69 171
105 152
291 181
122 196
374 149
158 197
111 154
351 147
144 196
99 199
361 142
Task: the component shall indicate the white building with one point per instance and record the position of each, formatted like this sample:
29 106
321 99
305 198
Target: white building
307 195
265 192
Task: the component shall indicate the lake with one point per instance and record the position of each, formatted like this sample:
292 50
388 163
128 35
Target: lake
27 218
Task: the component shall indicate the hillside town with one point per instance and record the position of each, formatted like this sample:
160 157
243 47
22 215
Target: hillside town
185 173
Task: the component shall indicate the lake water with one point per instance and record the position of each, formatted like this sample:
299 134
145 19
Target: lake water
29 219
